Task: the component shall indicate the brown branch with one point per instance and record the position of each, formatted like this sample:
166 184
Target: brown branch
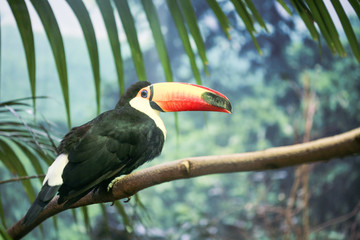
321 150
337 220
21 178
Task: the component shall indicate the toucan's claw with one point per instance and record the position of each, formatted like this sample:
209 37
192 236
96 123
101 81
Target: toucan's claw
111 184
127 200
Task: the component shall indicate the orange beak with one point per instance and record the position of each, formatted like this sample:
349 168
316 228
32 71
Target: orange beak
175 97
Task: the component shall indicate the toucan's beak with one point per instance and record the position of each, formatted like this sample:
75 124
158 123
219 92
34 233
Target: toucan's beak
175 97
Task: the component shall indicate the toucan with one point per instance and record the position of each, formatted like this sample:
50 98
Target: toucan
118 141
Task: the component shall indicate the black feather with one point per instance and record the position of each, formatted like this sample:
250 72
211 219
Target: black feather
44 197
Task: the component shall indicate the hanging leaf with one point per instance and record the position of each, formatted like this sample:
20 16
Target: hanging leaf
107 13
32 156
308 21
125 217
180 26
22 18
249 24
83 17
55 222
256 14
221 17
285 7
190 18
85 212
155 26
105 217
53 33
330 26
4 234
128 23
347 28
11 151
356 6
319 19
2 215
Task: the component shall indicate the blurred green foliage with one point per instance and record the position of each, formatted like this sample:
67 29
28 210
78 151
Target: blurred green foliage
267 93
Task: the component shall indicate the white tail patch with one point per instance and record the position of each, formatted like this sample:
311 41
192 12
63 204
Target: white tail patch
54 173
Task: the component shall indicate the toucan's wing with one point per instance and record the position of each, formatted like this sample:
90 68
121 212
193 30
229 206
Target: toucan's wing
116 144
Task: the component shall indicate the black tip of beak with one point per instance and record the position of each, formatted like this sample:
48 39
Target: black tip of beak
217 101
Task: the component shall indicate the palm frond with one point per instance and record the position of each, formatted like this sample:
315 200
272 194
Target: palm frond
23 144
83 17
107 13
314 14
53 33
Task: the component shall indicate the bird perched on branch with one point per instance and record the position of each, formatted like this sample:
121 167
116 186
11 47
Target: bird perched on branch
118 141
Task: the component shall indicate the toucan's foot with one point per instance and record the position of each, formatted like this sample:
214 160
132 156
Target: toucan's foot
127 200
111 184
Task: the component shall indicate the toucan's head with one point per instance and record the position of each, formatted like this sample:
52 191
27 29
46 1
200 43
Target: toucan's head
175 97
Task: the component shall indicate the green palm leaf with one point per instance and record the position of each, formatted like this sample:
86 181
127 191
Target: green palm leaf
180 26
22 18
307 18
153 19
127 222
256 14
2 215
190 18
249 23
128 23
107 13
220 15
23 144
285 7
347 28
83 17
4 234
11 155
52 30
87 223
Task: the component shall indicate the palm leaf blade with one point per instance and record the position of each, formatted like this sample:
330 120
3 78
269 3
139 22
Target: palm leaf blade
126 219
190 18
85 212
128 23
83 17
220 15
347 29
356 6
245 16
23 22
32 156
285 7
154 22
329 24
13 152
2 215
53 33
107 14
302 11
256 14
180 26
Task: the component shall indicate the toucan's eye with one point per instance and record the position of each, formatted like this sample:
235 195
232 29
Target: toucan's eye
144 93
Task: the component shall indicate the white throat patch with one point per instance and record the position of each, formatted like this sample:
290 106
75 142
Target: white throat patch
143 105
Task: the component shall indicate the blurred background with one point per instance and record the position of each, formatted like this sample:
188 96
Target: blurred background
296 91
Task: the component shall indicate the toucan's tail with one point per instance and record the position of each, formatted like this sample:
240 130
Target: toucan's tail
44 197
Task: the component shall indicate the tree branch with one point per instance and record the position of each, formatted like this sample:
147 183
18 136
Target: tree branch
21 178
320 150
